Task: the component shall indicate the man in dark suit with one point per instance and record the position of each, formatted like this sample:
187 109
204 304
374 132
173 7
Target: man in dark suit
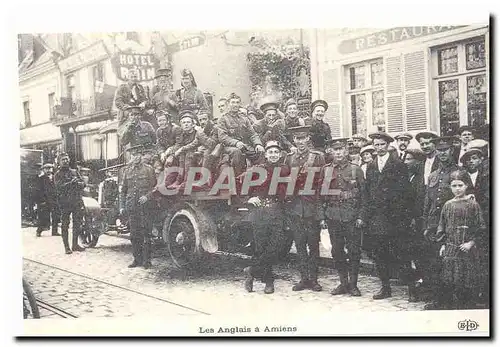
320 130
387 205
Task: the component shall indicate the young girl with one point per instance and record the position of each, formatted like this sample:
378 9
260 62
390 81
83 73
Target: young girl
460 228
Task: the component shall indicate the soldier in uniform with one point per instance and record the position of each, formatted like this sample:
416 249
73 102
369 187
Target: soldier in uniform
320 131
189 96
438 193
47 202
267 218
238 136
302 210
137 132
272 127
69 189
129 94
166 134
136 193
342 215
162 95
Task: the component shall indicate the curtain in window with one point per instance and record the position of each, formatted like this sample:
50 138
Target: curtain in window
90 147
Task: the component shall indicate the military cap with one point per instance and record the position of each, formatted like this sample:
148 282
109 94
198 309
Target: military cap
367 148
186 113
233 96
418 154
133 108
163 72
47 166
289 102
354 150
404 136
63 154
443 142
337 143
300 131
470 152
426 134
381 135
269 106
358 136
465 128
319 102
162 113
477 143
271 144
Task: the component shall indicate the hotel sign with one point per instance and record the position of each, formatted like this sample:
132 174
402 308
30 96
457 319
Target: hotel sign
389 36
84 57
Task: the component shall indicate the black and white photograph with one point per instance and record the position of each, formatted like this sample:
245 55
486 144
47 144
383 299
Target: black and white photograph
235 181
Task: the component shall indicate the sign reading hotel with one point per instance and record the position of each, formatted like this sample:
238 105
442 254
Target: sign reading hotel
389 36
146 64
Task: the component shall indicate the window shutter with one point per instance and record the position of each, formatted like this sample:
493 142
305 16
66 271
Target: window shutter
394 94
331 90
416 91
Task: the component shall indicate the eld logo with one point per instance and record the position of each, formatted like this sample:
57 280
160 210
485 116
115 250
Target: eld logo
468 325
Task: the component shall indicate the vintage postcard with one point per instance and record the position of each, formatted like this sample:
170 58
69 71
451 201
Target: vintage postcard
316 181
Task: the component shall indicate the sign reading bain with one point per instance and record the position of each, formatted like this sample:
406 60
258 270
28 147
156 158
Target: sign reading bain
147 64
389 36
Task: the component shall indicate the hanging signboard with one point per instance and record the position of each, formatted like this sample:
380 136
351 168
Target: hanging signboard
146 64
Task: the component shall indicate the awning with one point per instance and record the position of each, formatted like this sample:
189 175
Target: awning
108 128
92 126
40 134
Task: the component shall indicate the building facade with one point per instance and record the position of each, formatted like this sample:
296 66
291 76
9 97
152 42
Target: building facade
402 79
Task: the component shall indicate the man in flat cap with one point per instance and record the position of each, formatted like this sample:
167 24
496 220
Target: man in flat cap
302 209
162 97
402 142
46 200
342 215
359 140
130 94
136 194
69 191
466 134
267 218
272 127
136 131
320 131
387 206
437 194
238 136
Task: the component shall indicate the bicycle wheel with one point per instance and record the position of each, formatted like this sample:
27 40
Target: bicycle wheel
32 308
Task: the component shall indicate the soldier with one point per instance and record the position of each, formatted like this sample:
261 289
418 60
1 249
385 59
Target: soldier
437 194
388 207
222 106
271 127
130 94
137 132
69 188
302 210
320 131
341 214
162 94
402 141
238 136
267 221
47 202
136 192
359 140
189 96
209 128
166 134
292 118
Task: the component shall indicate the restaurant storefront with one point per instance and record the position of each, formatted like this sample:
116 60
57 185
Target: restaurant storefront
403 79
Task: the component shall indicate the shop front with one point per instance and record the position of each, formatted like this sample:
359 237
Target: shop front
403 79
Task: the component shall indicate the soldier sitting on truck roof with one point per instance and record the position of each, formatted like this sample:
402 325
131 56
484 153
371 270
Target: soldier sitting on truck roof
135 131
167 132
184 150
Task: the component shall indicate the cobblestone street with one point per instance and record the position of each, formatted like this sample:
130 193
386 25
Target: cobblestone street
97 283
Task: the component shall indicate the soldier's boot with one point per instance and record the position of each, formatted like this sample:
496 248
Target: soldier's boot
54 231
315 286
147 255
353 280
137 255
248 279
66 241
304 282
269 289
76 247
343 287
384 292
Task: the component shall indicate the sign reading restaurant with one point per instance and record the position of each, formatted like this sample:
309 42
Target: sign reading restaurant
147 64
389 36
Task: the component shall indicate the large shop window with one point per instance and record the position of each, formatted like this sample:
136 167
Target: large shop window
461 85
365 96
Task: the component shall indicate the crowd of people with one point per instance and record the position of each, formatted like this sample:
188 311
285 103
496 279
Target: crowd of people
423 211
